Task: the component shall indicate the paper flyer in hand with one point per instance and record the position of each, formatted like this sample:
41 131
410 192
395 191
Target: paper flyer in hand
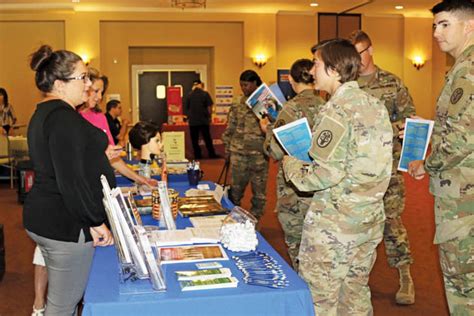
295 138
263 102
416 139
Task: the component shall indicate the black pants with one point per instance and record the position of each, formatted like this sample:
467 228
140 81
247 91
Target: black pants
206 135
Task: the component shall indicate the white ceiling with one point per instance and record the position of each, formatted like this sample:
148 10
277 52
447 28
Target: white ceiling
376 7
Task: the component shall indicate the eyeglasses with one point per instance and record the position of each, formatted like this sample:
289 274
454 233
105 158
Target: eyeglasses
362 51
84 77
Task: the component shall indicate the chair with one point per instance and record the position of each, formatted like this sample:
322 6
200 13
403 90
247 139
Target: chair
6 159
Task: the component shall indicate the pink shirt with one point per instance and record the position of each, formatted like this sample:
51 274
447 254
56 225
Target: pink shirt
100 121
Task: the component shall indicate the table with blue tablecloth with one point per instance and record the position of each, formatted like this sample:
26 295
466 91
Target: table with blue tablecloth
105 295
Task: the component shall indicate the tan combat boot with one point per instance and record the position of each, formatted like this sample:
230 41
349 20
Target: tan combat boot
406 293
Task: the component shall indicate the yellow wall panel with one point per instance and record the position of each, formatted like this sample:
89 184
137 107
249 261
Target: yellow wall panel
19 39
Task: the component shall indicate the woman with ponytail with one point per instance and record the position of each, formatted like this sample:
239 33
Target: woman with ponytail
63 212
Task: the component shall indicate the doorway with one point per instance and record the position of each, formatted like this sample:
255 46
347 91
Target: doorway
149 83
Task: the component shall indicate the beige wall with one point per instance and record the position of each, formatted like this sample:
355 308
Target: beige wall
234 39
386 34
19 39
226 40
418 41
296 34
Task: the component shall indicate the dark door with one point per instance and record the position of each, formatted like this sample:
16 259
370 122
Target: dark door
150 107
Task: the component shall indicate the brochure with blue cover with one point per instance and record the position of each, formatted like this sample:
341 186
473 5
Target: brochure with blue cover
264 102
416 139
295 138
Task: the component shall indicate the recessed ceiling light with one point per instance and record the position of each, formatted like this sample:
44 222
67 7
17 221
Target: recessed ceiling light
313 4
399 7
76 1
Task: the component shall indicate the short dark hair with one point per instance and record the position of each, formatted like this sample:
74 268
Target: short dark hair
466 6
141 133
359 36
301 71
52 65
3 92
250 76
341 56
112 104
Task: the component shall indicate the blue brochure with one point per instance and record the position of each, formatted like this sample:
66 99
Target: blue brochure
295 138
415 141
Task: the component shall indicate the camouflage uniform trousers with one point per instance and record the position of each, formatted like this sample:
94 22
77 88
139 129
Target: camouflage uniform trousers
291 208
397 246
457 263
336 267
253 168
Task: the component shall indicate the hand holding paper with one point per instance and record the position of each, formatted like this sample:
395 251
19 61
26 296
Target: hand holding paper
295 138
416 169
417 134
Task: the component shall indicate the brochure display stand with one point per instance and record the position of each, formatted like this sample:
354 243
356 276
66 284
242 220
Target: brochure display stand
136 257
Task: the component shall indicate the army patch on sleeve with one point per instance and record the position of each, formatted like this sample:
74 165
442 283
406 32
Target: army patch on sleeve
328 135
456 96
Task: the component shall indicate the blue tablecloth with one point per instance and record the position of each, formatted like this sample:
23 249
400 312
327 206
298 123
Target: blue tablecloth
103 293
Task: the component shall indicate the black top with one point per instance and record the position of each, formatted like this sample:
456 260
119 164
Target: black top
68 156
197 107
114 126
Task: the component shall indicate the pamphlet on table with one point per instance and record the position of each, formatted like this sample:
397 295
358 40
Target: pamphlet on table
191 253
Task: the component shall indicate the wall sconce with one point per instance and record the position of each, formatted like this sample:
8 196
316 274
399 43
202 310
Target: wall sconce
86 59
418 62
260 60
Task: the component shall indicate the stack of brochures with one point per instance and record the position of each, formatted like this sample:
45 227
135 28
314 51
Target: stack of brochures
206 279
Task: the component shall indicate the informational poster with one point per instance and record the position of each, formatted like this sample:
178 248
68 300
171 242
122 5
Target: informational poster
224 97
174 145
174 102
284 83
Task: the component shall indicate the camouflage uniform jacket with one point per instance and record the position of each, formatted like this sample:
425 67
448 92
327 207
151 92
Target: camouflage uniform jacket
352 152
243 134
388 88
304 104
451 162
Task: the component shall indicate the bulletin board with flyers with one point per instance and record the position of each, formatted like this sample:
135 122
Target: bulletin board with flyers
224 97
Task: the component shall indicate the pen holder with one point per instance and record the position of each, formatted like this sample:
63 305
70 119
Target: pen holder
194 176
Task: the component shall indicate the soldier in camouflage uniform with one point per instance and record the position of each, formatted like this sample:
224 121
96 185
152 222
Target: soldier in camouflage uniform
451 162
392 92
291 204
352 152
243 140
